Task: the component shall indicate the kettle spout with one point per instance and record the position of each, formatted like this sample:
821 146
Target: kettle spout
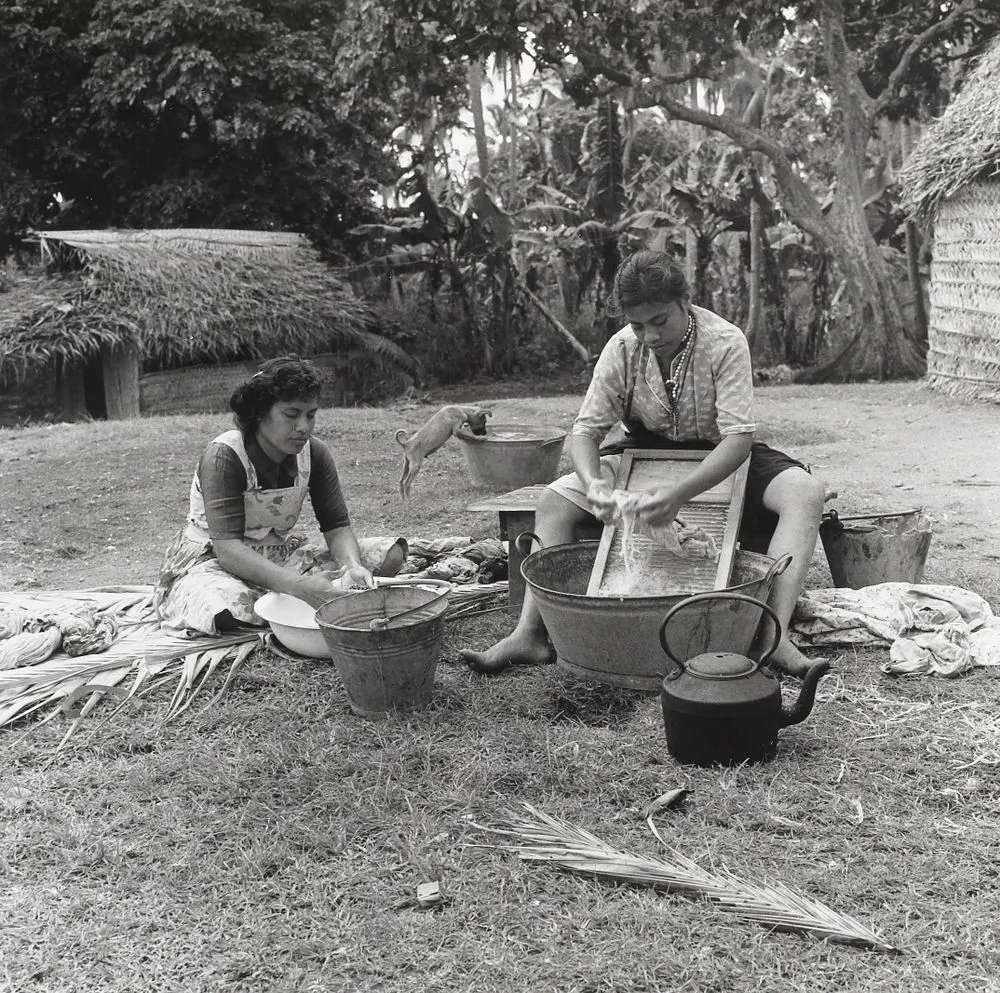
802 707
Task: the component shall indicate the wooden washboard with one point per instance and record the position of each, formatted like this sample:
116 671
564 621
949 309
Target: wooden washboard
717 511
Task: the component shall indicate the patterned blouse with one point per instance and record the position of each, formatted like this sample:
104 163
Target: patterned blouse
716 393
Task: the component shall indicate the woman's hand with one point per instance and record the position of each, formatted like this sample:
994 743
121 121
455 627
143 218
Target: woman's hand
319 587
602 506
659 506
357 577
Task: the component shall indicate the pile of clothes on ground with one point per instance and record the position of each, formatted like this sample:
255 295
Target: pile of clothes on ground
460 560
29 637
929 628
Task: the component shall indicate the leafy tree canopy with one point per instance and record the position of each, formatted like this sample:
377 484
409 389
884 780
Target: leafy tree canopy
234 113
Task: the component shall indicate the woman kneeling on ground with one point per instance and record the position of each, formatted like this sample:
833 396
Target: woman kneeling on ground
676 376
246 497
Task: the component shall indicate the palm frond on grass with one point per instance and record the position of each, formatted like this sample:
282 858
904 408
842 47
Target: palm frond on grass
147 655
476 598
145 652
543 838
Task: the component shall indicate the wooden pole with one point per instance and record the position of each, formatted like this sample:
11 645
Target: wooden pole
120 368
557 324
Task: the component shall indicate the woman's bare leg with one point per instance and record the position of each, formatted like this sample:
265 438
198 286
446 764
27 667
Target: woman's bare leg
556 519
797 498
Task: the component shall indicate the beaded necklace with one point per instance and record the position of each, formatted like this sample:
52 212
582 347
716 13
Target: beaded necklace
674 383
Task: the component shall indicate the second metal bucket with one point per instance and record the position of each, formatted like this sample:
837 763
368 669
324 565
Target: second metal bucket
510 456
616 640
385 644
878 548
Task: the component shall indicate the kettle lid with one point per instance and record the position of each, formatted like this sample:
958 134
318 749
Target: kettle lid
721 665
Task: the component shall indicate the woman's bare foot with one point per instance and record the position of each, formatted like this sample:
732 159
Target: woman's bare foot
518 648
789 660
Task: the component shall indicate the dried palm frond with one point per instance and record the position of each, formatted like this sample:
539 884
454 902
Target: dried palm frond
478 598
543 838
144 651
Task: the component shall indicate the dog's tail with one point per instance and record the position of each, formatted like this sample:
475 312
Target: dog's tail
405 435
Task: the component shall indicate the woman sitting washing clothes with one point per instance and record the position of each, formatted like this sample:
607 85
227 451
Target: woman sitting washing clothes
246 497
676 376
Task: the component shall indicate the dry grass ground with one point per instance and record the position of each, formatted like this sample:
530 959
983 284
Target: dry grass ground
275 841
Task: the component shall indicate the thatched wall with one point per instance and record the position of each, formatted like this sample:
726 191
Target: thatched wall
206 389
963 356
134 301
952 182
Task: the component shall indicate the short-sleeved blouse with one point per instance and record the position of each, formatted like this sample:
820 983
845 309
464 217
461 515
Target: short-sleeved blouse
715 400
223 481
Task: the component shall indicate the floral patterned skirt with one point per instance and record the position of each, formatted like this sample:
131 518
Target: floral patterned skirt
192 589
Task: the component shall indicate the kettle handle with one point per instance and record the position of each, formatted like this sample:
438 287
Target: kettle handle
720 595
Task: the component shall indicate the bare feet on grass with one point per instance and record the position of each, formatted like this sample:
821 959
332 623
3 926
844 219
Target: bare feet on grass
516 649
789 660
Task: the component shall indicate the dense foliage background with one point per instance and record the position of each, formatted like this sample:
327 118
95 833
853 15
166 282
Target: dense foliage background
476 171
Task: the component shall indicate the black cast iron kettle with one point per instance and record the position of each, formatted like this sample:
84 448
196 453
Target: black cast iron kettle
719 708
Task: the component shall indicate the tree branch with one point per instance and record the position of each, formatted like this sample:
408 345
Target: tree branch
598 64
799 200
898 74
582 352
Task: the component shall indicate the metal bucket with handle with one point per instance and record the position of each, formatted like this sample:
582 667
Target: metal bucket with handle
385 643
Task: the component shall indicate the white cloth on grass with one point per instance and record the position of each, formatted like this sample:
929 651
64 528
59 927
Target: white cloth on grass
930 628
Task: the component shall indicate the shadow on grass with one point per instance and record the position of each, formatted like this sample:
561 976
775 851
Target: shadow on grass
593 704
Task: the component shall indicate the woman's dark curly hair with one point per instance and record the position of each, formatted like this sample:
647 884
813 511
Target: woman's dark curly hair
647 277
287 377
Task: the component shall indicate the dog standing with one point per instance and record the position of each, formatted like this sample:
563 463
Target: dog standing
428 438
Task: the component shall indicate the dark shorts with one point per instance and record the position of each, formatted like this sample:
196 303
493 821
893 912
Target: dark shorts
758 524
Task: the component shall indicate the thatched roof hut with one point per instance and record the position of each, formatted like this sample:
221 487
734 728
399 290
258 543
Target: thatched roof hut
115 303
953 180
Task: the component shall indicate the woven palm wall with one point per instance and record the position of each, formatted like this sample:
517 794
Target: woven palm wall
951 183
963 356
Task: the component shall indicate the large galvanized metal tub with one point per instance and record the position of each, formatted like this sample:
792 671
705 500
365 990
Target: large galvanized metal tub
616 640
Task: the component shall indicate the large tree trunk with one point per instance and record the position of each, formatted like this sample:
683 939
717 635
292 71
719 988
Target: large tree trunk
880 345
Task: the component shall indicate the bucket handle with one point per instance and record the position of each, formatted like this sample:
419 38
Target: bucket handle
834 518
780 565
525 550
380 623
559 439
721 595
